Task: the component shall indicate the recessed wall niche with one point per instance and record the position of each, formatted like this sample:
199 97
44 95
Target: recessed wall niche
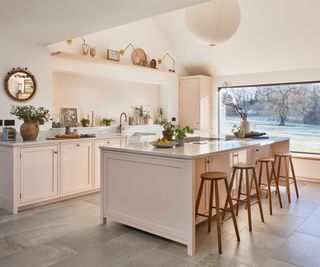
103 96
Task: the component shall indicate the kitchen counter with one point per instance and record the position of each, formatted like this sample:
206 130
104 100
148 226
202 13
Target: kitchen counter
154 189
194 150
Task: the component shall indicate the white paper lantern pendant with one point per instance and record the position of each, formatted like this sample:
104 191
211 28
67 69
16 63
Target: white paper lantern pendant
213 22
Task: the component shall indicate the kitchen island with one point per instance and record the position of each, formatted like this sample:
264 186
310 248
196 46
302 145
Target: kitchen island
154 189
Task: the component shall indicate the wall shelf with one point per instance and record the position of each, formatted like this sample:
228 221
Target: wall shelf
88 58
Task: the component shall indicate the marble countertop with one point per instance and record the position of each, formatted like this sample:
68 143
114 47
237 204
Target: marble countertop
194 149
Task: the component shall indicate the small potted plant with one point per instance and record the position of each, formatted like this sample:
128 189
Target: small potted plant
168 129
147 118
31 117
140 111
181 133
85 122
107 121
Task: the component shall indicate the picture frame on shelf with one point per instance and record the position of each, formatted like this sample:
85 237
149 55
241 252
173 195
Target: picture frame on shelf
113 55
69 117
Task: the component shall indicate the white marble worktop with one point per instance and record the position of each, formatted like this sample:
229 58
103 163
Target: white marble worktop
193 150
101 134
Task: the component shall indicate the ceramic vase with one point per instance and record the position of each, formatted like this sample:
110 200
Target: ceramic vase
29 131
245 125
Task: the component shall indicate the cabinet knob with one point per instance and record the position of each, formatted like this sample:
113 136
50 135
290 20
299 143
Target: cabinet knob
55 152
257 150
78 145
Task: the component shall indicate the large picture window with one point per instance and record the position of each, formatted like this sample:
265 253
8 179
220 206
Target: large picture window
291 110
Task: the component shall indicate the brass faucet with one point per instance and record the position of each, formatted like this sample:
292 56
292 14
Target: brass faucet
121 127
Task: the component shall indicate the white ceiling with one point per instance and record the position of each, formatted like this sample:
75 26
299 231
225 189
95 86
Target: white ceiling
273 36
50 21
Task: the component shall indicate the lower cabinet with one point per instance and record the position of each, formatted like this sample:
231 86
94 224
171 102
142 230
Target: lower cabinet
76 167
38 173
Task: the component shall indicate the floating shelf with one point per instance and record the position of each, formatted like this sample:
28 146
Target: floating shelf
88 58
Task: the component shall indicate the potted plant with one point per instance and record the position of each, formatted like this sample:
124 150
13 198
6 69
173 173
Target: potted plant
140 110
168 129
85 122
31 117
147 118
181 133
239 104
107 121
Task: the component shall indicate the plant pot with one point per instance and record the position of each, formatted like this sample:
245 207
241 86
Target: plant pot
245 125
147 120
167 135
108 123
180 142
29 131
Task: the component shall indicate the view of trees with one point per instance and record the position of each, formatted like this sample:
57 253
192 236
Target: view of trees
298 103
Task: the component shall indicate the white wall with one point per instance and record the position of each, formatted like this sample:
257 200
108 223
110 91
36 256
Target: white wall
36 58
107 98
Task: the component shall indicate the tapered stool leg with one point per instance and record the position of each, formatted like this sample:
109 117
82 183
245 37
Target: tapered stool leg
210 206
248 200
258 194
277 182
218 215
294 177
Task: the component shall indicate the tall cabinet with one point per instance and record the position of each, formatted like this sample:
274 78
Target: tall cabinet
195 100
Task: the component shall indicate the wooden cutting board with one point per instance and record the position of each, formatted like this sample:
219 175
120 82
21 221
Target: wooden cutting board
64 136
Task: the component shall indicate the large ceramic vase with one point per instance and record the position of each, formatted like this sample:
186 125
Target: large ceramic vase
245 125
29 131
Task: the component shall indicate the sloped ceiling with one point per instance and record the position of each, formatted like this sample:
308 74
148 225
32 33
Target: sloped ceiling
273 36
50 21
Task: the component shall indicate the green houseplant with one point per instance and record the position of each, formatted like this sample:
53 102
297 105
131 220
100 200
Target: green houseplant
107 121
31 117
168 129
181 133
85 122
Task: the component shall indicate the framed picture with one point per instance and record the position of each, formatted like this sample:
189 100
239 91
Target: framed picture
113 55
69 117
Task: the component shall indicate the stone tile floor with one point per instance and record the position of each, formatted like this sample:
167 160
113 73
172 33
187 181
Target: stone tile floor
69 234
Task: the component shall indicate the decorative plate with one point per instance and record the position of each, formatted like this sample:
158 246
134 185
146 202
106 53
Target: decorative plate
139 57
171 144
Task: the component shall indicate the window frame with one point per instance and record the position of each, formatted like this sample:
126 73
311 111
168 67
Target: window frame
263 84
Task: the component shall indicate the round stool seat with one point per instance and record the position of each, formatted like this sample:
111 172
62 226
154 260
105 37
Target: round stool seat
266 160
283 154
214 175
244 166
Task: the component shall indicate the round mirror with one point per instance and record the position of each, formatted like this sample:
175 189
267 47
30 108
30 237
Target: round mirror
20 84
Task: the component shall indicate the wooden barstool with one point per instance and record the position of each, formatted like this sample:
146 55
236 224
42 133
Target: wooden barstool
287 162
270 177
246 167
214 178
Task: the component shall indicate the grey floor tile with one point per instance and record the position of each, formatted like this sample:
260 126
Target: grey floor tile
213 260
276 263
95 257
8 246
47 232
22 224
253 249
89 237
157 258
36 257
311 225
300 249
135 242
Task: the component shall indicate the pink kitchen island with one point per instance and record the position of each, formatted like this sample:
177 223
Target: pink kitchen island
154 189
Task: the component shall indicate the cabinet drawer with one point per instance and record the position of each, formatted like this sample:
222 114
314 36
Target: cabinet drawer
260 152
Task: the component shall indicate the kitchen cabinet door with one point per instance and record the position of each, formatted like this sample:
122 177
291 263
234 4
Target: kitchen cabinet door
98 143
190 115
38 173
76 167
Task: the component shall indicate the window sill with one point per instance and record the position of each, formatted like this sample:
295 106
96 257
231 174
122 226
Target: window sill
303 156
